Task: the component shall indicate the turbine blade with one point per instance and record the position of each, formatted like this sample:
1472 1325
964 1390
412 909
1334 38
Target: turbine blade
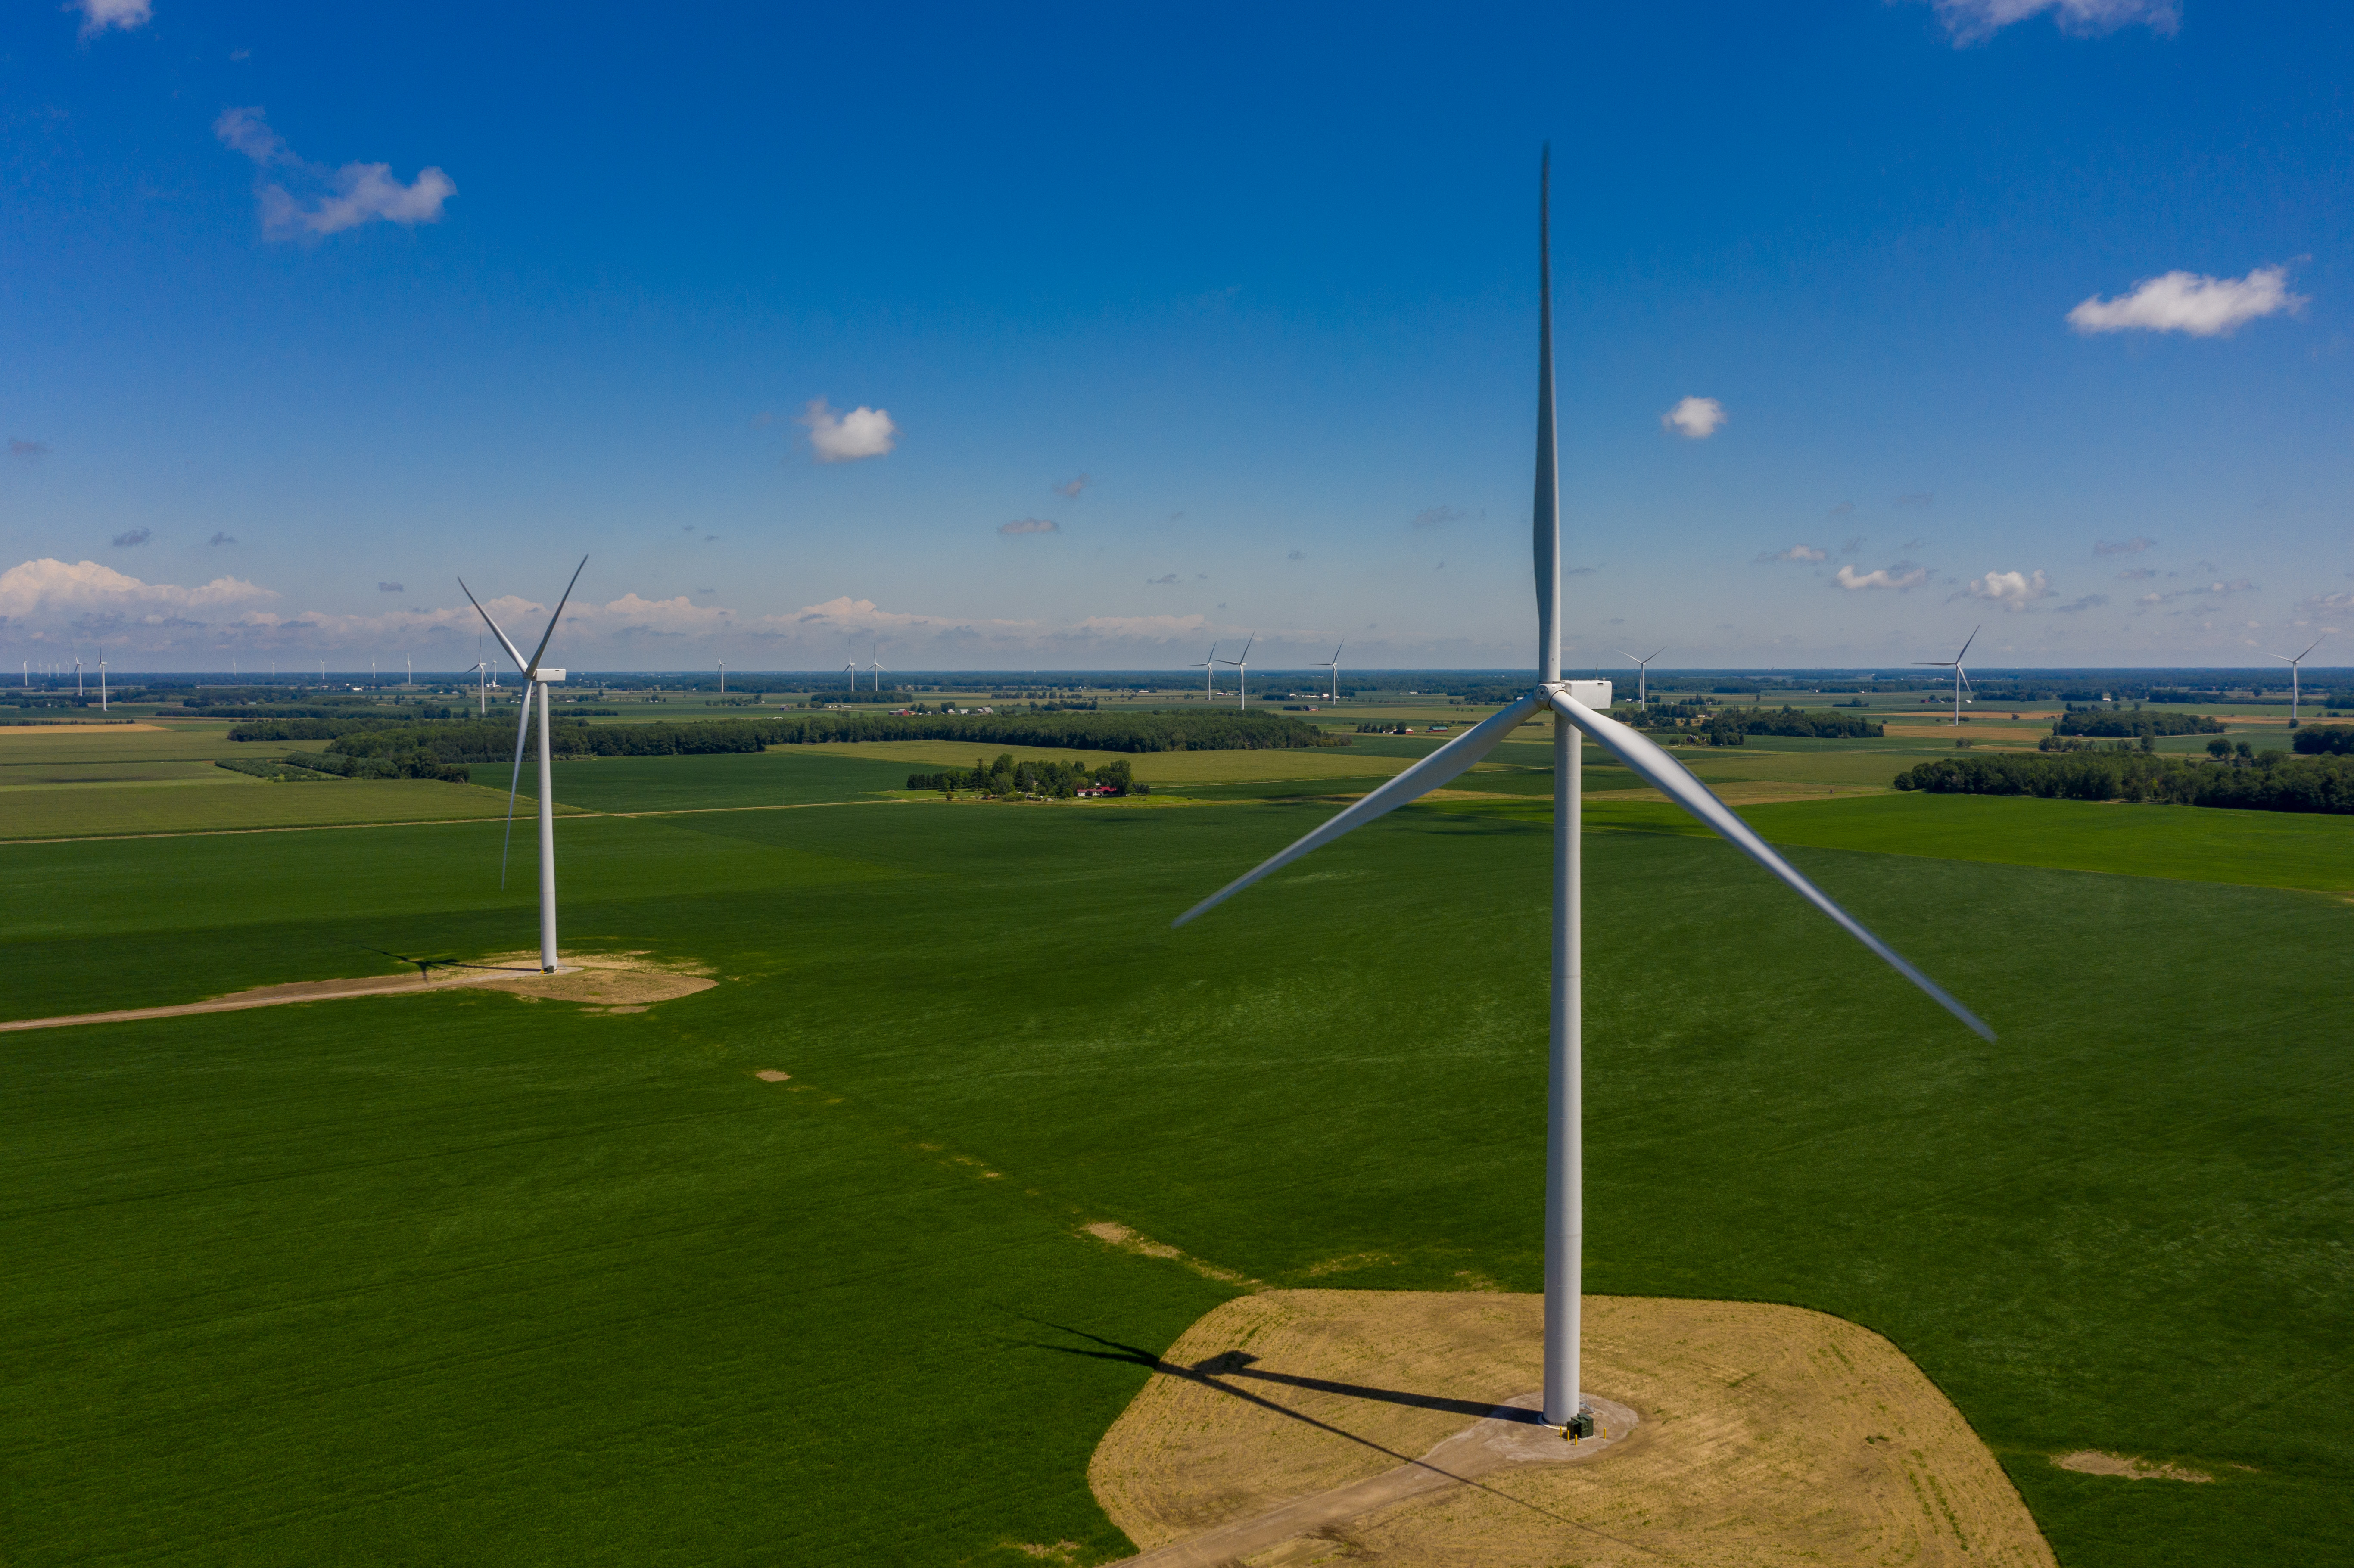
1965 644
1439 768
1545 523
1664 773
556 617
513 652
1657 651
2315 643
515 783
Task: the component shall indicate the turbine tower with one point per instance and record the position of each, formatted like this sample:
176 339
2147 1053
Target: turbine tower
1960 679
481 672
1334 666
1241 674
1642 675
535 680
1575 703
875 664
2292 664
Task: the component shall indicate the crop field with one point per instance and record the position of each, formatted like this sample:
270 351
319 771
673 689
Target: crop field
465 1278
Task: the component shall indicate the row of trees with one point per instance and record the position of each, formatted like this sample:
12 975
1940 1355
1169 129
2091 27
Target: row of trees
2330 740
1055 780
2132 725
412 763
2273 781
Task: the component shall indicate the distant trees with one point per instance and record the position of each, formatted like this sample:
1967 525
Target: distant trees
2325 740
1733 726
2085 721
2267 781
1053 779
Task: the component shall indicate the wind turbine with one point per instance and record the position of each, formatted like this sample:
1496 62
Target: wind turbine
535 681
2292 664
1575 703
1642 675
876 665
481 672
1241 674
1333 664
101 685
1209 668
1961 679
76 674
852 667
723 677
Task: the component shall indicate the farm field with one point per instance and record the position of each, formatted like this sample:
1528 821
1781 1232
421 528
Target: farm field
784 776
219 801
481 1279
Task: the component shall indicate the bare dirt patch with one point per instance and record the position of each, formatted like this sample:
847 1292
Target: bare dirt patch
2092 1462
609 982
771 1076
1768 1434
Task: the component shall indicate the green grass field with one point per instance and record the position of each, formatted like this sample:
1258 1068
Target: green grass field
463 1279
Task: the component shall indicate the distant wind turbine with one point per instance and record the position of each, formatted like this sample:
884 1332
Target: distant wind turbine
2292 664
1241 674
481 672
876 664
101 685
1333 665
535 682
852 667
723 677
1574 702
1209 668
1961 679
1642 675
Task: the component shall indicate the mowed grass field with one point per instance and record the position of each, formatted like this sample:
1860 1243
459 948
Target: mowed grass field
468 1279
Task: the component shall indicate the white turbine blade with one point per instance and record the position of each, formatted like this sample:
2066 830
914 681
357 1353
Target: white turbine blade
1439 768
2315 643
1656 652
513 652
555 617
523 724
1545 518
1933 664
1965 644
1664 773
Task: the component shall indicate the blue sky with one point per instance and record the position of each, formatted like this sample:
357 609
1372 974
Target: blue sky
1127 332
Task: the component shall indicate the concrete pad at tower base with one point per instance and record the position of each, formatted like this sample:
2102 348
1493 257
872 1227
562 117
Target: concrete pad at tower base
1759 1434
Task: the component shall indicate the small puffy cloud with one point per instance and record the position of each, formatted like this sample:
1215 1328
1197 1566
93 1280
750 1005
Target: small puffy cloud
1297 555
1437 518
2133 546
2137 573
1030 525
1162 580
1899 576
49 586
2090 601
863 433
1801 553
27 451
1975 21
131 538
1579 571
331 200
1694 419
98 16
2012 590
390 587
1070 488
2191 303
1841 510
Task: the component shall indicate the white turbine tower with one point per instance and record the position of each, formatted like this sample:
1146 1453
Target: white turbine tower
482 673
101 685
723 677
875 664
535 680
1241 674
1574 702
1960 679
1642 675
1209 668
2294 691
852 667
1334 666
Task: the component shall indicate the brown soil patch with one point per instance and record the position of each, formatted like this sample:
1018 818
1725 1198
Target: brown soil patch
609 982
2092 1462
1768 1434
770 1076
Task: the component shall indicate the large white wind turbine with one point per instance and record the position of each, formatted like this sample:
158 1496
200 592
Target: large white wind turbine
1333 665
2292 664
1575 703
875 664
1960 678
1241 674
535 682
1642 675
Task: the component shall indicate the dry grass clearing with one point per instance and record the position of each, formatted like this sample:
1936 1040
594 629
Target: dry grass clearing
1768 1434
2092 1462
609 982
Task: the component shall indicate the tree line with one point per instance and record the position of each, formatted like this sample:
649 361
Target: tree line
1005 776
2269 781
2131 726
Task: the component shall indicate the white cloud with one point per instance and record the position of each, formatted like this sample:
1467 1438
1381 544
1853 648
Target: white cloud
863 433
1694 419
2191 303
1437 518
337 199
1802 552
1899 576
1071 487
2133 546
1975 21
50 587
131 538
2012 590
97 16
1030 525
